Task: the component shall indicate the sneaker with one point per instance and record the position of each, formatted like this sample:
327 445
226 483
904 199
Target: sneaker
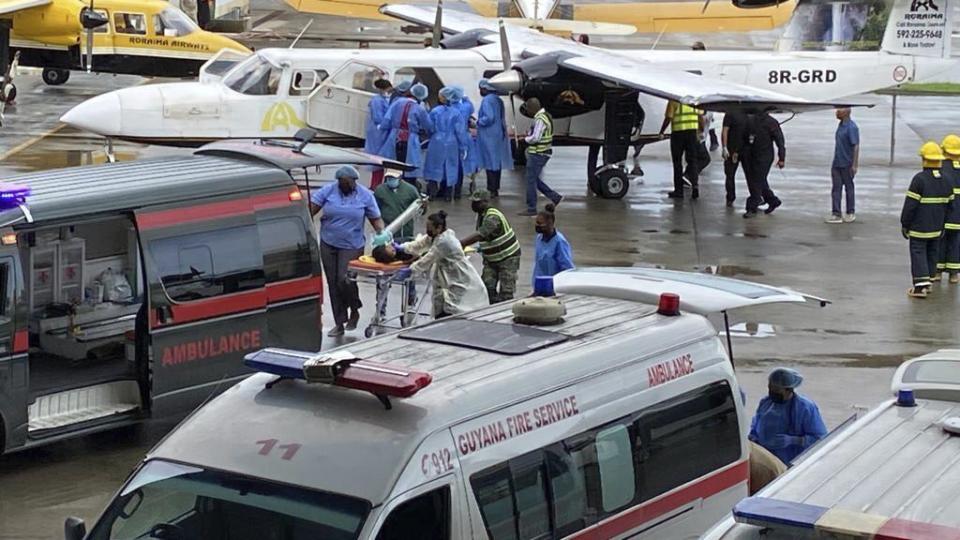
730 203
636 171
834 218
954 278
849 218
936 277
773 206
353 320
675 195
336 332
695 193
917 292
494 194
557 201
527 213
749 214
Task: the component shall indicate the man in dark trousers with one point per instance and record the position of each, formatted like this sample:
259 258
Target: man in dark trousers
685 124
950 243
762 133
922 218
732 136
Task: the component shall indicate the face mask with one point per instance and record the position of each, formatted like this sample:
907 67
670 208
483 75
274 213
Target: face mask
393 183
776 397
346 190
539 229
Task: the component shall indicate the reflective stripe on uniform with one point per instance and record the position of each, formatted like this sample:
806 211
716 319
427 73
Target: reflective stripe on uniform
935 200
951 226
546 138
924 235
685 118
912 195
502 246
953 266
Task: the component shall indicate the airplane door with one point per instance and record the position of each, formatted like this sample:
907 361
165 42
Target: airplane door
339 104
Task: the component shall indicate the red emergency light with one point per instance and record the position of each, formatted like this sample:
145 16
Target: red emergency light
669 305
341 369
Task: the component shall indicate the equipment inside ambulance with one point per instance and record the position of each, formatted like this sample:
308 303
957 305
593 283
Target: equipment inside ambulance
890 474
133 290
621 418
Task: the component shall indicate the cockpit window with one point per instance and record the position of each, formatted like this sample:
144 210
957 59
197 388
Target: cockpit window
169 500
173 23
255 77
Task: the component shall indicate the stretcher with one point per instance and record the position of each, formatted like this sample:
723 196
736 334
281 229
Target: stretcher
384 276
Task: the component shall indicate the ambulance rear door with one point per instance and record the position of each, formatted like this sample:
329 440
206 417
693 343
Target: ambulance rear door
207 297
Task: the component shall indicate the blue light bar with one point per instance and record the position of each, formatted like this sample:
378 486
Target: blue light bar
287 364
13 194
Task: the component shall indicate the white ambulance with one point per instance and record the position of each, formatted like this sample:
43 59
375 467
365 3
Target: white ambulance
623 420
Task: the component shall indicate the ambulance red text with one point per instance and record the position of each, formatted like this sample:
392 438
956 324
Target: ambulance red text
668 371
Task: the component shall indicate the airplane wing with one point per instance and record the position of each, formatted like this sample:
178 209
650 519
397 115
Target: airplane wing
656 80
8 7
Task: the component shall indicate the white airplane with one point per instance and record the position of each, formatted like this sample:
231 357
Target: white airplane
275 92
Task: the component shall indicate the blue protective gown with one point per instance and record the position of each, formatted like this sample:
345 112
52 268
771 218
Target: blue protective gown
418 123
447 145
493 144
376 112
552 256
471 163
798 417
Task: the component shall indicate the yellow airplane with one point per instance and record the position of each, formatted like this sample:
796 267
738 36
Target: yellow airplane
647 16
138 37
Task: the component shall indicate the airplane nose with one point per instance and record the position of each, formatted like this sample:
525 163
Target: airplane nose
507 81
101 115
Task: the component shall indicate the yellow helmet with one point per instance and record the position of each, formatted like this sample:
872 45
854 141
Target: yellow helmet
951 145
931 151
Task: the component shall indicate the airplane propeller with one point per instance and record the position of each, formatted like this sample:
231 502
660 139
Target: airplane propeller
90 20
507 66
438 26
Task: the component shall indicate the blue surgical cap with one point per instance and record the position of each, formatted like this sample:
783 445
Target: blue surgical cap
404 86
447 93
785 378
419 91
485 84
457 93
347 171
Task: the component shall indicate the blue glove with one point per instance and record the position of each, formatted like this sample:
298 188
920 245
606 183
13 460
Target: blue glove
402 274
783 441
398 247
382 238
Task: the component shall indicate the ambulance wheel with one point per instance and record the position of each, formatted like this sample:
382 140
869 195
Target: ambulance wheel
613 184
11 94
368 332
55 77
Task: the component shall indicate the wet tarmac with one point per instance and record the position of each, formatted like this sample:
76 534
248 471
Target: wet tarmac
847 351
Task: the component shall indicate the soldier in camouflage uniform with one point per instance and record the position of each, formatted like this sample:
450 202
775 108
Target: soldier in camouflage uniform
499 247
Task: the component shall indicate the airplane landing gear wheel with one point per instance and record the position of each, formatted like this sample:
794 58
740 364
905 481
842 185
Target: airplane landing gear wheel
613 183
55 77
368 332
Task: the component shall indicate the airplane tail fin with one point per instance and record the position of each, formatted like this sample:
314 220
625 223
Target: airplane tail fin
919 28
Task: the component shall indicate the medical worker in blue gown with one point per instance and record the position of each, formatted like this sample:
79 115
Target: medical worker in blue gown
493 143
405 124
449 141
786 423
471 162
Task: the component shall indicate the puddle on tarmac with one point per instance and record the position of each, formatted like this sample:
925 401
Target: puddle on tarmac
730 270
831 332
809 244
751 330
651 231
678 231
752 235
631 251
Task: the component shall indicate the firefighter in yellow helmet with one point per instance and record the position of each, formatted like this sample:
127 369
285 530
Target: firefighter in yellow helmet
924 209
950 243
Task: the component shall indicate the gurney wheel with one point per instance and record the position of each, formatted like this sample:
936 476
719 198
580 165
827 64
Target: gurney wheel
368 332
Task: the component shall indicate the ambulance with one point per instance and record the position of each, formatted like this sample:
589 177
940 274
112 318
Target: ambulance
133 290
623 419
893 474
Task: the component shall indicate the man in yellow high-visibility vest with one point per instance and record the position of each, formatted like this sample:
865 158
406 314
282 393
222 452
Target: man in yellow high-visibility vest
685 124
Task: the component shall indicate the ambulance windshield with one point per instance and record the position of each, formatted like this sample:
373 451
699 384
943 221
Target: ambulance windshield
169 500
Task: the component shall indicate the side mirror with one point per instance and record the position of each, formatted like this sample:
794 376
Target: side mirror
74 529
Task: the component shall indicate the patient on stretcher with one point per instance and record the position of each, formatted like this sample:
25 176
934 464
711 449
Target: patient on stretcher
388 253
